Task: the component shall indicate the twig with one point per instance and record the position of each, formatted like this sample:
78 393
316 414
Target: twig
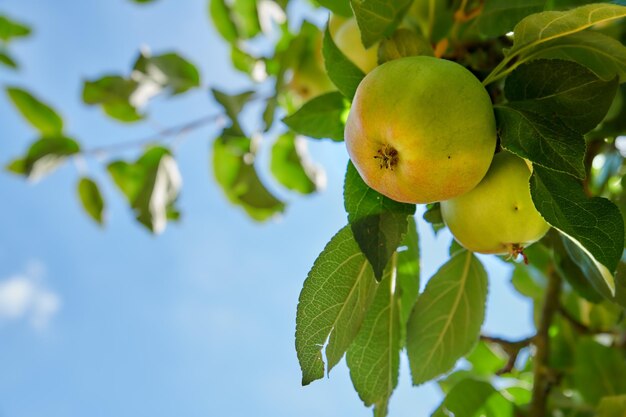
511 348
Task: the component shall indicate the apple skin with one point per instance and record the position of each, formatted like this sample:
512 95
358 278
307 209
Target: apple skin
348 40
498 216
421 130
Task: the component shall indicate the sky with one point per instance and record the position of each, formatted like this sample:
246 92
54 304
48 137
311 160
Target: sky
200 320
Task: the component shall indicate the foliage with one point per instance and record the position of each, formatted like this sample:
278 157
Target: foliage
555 71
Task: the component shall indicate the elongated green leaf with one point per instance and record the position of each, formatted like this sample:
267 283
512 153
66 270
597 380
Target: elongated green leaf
546 26
602 54
500 16
322 117
332 306
595 223
233 105
341 71
91 199
341 7
220 15
246 17
602 364
374 356
41 116
10 29
466 398
113 93
291 166
7 60
378 18
378 223
445 323
408 271
614 406
46 155
169 70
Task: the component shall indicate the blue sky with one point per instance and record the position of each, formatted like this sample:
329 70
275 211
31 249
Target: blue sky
199 321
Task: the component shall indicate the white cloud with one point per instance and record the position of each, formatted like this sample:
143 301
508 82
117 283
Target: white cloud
24 297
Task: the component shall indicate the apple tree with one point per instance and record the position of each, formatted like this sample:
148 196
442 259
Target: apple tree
548 137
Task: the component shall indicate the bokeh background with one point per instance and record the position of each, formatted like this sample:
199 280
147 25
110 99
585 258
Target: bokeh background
200 320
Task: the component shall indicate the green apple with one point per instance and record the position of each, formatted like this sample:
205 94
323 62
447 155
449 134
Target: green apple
498 216
421 130
348 40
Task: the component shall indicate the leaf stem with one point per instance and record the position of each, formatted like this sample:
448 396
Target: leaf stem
511 347
541 376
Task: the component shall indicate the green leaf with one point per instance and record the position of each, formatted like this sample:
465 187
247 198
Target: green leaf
543 140
7 60
562 89
374 356
233 165
291 166
601 364
41 116
333 303
433 216
485 360
408 275
10 29
403 43
220 14
341 71
151 185
378 18
246 18
340 7
602 54
91 199
113 93
45 155
466 398
233 105
143 1
500 16
169 70
595 223
322 117
378 222
614 406
445 323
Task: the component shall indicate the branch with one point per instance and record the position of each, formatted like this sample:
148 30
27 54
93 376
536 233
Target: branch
511 347
541 375
580 327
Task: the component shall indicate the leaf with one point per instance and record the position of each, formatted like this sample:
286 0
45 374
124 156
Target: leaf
169 70
114 94
543 27
151 185
595 223
374 356
403 43
378 18
220 15
433 216
291 166
10 29
485 360
445 323
602 54
245 15
322 117
601 364
378 222
466 398
500 16
332 305
41 116
562 89
7 60
233 165
91 199
544 141
233 105
340 7
341 71
614 406
47 154
408 275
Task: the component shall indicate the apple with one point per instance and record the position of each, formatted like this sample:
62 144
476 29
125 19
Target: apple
498 216
421 130
309 78
348 40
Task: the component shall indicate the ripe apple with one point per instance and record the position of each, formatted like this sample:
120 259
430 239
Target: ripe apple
498 216
348 40
421 130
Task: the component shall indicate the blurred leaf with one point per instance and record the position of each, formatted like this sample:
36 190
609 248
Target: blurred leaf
151 185
342 72
433 216
374 356
340 7
91 199
233 105
321 117
466 398
500 16
220 14
602 364
39 115
241 60
246 18
433 17
595 223
445 323
10 29
614 406
44 156
7 60
378 223
233 165
113 93
378 18
485 360
143 1
408 275
333 303
169 70
17 166
403 43
291 166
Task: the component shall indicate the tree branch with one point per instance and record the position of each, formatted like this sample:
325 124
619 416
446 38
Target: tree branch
541 375
511 347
